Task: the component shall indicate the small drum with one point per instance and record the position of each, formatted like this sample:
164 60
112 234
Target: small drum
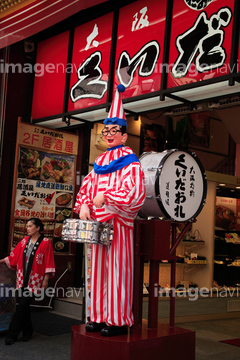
176 185
86 231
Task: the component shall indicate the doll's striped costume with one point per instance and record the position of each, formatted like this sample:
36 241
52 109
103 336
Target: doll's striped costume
112 266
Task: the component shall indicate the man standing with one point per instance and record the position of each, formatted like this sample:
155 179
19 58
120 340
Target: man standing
114 192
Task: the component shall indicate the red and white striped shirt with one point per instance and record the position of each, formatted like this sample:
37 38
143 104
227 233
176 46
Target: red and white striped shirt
123 190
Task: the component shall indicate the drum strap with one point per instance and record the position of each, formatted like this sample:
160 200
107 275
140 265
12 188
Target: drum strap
115 164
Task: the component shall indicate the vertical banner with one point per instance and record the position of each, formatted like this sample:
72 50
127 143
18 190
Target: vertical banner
139 52
200 45
50 73
90 63
44 182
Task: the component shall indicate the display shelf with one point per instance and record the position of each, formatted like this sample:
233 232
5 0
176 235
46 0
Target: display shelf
188 245
193 242
197 262
227 257
190 262
185 271
193 263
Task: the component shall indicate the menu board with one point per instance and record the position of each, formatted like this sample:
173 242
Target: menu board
44 188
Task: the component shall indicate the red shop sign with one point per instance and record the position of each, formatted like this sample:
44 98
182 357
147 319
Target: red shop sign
200 47
139 50
90 63
50 74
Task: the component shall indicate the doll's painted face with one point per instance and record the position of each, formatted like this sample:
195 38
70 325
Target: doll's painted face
113 135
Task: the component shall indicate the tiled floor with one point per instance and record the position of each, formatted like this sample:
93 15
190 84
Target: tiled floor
208 347
40 347
210 333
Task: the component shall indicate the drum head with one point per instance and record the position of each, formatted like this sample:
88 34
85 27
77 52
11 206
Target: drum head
180 186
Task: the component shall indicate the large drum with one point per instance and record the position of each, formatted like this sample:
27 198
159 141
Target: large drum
86 231
176 185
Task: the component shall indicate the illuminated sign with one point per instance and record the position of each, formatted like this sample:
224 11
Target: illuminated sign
50 74
200 47
90 63
140 43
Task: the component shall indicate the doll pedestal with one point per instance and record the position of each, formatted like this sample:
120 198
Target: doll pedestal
141 343
147 339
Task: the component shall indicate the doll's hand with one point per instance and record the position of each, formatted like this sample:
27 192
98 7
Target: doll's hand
85 212
99 200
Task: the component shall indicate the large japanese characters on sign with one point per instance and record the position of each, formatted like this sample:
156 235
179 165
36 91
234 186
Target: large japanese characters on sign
140 42
175 185
90 63
47 139
45 179
200 47
183 186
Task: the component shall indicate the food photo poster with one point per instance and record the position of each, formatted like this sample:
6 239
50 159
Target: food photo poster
227 215
45 185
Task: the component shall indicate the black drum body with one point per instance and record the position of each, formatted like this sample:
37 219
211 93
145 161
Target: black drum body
176 185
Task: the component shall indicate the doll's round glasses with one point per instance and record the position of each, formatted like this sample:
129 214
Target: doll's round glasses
112 132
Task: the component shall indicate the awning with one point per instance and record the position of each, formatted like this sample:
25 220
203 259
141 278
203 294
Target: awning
36 16
205 95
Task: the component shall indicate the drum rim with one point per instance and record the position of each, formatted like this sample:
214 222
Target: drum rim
106 228
144 154
204 178
81 220
157 176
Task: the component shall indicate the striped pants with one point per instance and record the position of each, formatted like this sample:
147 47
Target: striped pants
112 279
